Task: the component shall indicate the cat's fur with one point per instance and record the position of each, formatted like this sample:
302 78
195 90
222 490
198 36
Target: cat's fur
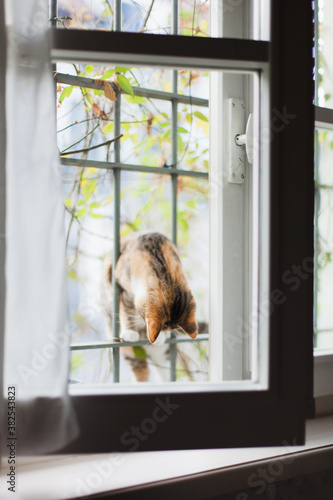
154 296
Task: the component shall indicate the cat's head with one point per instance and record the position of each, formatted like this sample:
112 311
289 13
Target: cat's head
171 311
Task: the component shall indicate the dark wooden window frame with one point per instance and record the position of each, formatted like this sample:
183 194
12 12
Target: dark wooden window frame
242 418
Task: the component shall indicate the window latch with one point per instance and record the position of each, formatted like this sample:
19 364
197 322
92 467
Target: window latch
238 142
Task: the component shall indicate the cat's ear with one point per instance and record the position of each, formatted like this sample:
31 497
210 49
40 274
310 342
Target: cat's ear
153 329
190 326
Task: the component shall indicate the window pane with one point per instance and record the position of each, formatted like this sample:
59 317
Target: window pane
87 117
325 56
144 123
324 240
147 16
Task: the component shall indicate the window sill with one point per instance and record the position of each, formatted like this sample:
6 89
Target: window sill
323 372
194 474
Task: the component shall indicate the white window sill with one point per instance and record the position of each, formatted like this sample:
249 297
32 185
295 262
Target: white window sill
194 474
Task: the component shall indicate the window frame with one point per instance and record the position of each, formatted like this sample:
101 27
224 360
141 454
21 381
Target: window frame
242 418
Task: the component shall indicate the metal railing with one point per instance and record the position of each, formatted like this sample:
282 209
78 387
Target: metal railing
116 345
117 166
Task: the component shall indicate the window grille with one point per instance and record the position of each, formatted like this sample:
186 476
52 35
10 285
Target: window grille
117 167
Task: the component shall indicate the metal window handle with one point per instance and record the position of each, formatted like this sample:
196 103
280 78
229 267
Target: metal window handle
236 166
247 139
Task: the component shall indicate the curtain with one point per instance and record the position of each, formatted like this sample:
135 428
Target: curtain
36 336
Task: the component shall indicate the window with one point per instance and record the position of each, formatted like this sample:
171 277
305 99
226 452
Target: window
269 406
323 153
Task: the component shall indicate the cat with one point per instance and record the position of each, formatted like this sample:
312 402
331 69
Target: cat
154 298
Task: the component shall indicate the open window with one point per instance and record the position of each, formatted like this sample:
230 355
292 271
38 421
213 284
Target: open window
261 213
260 233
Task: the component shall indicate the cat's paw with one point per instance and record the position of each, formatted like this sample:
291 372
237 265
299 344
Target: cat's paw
130 335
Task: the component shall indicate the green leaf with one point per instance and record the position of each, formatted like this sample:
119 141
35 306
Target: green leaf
96 216
199 115
134 99
125 84
89 99
106 201
180 142
165 124
149 143
77 360
107 74
72 274
134 138
89 68
139 351
189 118
183 223
89 187
81 212
126 126
108 128
94 205
66 93
68 202
182 130
122 69
98 92
107 12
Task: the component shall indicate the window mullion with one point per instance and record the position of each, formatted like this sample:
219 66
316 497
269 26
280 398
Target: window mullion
227 222
174 179
116 216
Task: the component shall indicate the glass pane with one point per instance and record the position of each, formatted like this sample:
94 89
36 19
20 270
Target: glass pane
145 123
324 240
156 16
325 56
193 138
87 117
194 17
85 14
325 157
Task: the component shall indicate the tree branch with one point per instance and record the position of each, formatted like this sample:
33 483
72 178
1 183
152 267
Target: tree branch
85 150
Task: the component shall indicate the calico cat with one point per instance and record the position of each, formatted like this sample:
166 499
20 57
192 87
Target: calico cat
154 298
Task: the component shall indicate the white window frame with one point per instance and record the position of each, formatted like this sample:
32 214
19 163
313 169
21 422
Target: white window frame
234 274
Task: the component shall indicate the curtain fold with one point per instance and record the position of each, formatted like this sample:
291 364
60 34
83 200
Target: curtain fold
36 334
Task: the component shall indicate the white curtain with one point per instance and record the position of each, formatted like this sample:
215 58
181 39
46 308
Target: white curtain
36 337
